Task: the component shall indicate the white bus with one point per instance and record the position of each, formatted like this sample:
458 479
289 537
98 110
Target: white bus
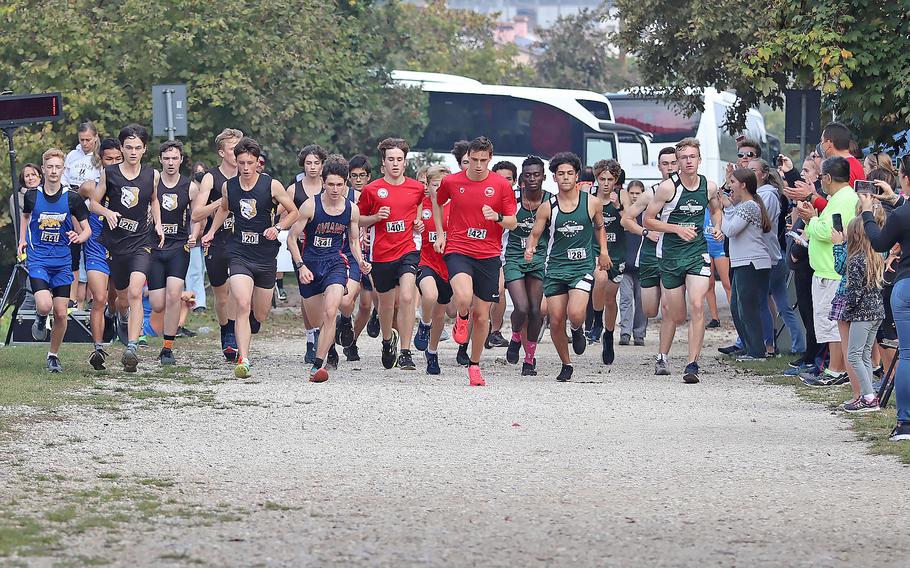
522 121
667 126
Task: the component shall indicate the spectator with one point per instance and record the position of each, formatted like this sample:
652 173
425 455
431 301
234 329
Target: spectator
771 192
825 281
896 231
836 141
746 221
876 160
720 270
633 324
83 162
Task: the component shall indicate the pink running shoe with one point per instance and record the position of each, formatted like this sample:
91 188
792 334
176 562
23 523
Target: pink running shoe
460 330
475 376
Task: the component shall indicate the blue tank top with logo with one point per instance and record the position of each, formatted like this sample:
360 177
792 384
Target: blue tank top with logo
326 234
47 229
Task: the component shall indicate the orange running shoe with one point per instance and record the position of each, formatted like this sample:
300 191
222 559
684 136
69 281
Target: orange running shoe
460 330
475 376
319 376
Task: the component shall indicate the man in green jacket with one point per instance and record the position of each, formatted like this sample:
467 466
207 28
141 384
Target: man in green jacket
825 282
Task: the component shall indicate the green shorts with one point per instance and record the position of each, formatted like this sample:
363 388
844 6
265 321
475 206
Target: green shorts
520 269
558 284
673 272
616 271
649 274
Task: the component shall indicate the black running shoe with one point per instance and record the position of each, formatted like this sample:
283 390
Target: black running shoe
331 360
528 370
351 353
713 324
129 360
345 334
97 358
185 332
607 343
39 327
123 329
166 357
579 342
462 357
495 339
565 374
513 351
390 350
691 374
373 324
53 364
729 350
405 361
900 432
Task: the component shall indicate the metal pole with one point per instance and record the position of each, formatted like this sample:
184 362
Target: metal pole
169 101
802 126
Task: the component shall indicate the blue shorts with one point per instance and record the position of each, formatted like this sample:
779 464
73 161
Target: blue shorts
354 272
59 275
147 328
715 249
325 274
95 255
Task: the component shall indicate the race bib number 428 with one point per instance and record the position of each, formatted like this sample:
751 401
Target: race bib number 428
394 226
577 253
478 234
249 238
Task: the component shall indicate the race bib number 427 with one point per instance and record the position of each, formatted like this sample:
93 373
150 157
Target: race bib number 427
478 234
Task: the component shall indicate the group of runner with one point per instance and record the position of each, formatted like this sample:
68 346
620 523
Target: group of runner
452 239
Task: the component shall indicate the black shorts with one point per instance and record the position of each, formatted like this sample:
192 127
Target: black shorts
366 283
172 263
888 329
483 271
443 288
38 284
123 265
263 274
75 256
217 264
387 274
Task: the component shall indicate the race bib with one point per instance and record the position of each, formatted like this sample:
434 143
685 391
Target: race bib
478 234
249 238
394 226
228 224
322 242
524 242
689 226
431 237
50 237
577 254
611 237
128 224
169 228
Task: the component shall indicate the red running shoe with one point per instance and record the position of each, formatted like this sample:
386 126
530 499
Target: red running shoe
475 376
319 376
460 330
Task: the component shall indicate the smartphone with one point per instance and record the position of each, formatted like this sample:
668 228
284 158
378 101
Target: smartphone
798 239
864 186
838 222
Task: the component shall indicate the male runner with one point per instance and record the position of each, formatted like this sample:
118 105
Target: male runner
482 206
217 259
125 196
359 176
433 281
678 211
96 261
524 279
576 220
606 281
252 198
308 184
648 269
460 152
171 260
509 171
52 219
332 219
344 331
391 207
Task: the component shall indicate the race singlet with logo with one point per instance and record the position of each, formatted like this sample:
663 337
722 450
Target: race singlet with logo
517 238
175 213
50 222
326 234
687 209
616 235
131 198
570 249
223 234
254 212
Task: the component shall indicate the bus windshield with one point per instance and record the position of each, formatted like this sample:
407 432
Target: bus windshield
661 119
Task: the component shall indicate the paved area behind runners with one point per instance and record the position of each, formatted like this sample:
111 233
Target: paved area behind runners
392 468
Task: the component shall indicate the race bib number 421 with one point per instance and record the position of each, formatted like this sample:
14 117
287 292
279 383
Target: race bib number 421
249 238
394 226
478 234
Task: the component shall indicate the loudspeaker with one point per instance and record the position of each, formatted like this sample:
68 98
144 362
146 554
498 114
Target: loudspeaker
793 104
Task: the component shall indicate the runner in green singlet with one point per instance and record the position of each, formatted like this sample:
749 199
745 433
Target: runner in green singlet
576 219
677 210
606 282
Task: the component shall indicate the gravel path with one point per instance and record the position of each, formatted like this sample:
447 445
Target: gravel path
396 468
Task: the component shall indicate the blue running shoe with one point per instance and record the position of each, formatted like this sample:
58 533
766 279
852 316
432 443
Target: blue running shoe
422 337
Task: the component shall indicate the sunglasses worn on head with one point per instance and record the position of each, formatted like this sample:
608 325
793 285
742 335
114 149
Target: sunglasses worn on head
742 155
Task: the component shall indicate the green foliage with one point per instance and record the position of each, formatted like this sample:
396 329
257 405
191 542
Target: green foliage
577 55
855 51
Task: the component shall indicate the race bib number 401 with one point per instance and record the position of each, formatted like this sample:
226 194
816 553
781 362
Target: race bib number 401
394 226
478 234
249 238
577 253
128 224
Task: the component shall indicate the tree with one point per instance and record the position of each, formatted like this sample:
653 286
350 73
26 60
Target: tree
855 51
576 54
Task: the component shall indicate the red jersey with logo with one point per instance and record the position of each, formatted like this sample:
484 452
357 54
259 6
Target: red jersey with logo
468 232
428 255
393 237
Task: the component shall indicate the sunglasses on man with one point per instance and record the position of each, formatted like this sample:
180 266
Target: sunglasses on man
742 155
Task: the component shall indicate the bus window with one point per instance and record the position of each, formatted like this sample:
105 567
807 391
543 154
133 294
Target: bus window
599 148
662 120
599 109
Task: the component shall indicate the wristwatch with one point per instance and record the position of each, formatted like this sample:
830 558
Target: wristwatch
499 219
297 265
645 233
277 228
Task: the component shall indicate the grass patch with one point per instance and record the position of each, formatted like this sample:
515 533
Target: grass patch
273 506
873 427
160 483
25 536
62 515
